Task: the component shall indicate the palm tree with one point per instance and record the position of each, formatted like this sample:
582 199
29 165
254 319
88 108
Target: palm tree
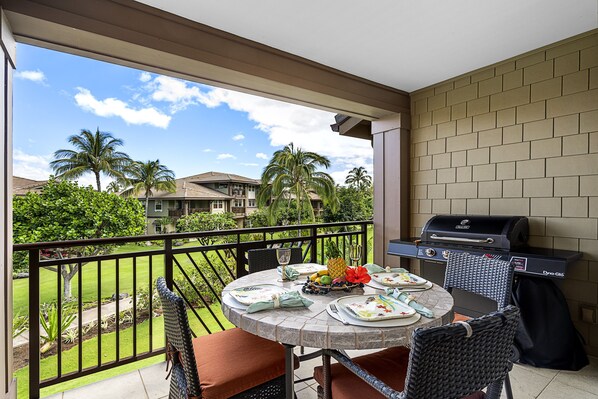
359 178
291 174
113 187
146 177
94 153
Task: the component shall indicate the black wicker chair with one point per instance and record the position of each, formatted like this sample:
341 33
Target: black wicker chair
487 277
265 258
231 363
446 362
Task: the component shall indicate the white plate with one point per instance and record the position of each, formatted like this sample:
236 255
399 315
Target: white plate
398 279
307 268
255 293
374 307
416 288
374 324
228 300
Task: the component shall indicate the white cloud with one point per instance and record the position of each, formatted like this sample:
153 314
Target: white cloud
36 167
110 107
145 77
307 128
238 137
226 156
36 76
208 150
250 164
178 93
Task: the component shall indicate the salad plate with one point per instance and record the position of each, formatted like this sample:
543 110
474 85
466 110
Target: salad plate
375 307
307 268
398 279
256 293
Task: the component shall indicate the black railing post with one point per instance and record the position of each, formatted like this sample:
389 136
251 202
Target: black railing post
314 245
168 262
364 243
34 354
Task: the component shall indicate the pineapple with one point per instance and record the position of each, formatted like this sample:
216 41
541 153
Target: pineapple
336 263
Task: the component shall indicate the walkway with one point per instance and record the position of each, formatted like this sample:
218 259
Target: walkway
88 316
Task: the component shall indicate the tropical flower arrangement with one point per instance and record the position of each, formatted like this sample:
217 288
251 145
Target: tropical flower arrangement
321 283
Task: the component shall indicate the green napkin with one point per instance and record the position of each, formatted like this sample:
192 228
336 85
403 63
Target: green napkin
292 299
374 268
409 300
290 273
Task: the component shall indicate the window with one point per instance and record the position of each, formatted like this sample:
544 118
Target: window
158 205
251 189
218 204
222 185
158 228
238 203
251 203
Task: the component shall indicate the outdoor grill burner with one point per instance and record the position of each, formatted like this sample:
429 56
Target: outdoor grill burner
502 237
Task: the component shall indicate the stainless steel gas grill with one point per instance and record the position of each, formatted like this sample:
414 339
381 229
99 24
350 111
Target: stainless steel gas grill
503 237
547 337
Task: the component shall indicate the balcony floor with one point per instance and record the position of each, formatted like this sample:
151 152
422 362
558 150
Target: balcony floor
527 382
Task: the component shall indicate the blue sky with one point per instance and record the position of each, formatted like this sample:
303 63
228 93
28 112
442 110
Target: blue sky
191 128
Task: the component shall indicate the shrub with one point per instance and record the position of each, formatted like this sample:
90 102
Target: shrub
51 330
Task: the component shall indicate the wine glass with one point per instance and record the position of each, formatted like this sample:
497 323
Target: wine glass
355 254
284 257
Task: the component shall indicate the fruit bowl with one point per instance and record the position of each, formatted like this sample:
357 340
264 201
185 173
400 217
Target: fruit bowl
311 287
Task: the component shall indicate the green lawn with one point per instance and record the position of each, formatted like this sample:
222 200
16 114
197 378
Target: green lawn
90 348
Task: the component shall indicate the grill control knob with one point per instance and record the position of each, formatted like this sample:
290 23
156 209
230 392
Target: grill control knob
445 254
430 252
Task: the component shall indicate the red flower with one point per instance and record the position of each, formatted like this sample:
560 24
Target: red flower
358 274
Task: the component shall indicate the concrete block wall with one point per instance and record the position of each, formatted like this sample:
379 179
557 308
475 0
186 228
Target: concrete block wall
518 138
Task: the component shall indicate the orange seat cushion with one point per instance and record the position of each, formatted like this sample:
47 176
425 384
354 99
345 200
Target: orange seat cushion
233 361
389 365
460 317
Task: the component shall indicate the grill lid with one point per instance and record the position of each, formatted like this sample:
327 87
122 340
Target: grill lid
502 232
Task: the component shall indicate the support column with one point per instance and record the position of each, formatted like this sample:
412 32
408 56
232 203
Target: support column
7 63
391 185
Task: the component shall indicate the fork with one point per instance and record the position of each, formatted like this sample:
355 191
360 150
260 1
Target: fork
335 310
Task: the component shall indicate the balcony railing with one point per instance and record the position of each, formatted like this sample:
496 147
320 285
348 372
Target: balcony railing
180 212
196 265
238 210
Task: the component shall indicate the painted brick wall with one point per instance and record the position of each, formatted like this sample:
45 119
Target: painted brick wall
518 138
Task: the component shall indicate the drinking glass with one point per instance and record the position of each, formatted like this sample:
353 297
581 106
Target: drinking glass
284 257
355 254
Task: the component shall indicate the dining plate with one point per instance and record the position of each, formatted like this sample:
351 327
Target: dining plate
398 279
256 293
307 268
373 324
374 307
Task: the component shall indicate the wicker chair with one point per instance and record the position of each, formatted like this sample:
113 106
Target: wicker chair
487 277
265 258
231 363
445 362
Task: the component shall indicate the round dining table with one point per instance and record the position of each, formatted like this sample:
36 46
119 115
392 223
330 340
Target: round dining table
314 327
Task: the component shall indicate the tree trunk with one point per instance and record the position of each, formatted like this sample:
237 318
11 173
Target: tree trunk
98 181
67 276
146 213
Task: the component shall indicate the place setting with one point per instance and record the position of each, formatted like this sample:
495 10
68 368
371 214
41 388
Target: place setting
402 279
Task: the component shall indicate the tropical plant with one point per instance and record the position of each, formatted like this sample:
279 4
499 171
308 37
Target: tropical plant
51 329
20 324
353 205
359 178
145 177
64 211
113 187
70 335
95 153
204 221
291 175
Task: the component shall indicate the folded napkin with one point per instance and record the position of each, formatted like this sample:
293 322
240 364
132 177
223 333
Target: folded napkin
374 268
290 273
292 299
409 300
